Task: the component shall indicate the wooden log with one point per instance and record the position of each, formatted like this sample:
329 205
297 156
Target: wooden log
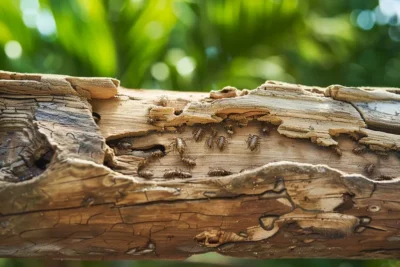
91 170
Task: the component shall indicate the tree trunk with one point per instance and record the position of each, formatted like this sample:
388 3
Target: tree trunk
279 171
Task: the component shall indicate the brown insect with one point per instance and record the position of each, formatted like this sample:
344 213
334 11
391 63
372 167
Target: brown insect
359 149
145 174
337 150
189 161
157 154
369 168
142 164
222 142
214 132
198 134
384 177
253 142
229 129
210 141
177 173
179 145
219 172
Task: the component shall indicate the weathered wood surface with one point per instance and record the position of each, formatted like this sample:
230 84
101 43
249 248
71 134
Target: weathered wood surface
320 179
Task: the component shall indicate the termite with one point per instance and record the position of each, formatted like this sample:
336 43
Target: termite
253 142
190 162
337 150
383 177
229 129
177 173
145 174
221 142
157 154
219 172
214 132
210 141
359 149
369 168
179 145
198 134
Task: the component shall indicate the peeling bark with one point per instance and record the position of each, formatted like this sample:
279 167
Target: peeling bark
279 171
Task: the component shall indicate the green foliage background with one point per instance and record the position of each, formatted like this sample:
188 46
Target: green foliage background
237 42
202 45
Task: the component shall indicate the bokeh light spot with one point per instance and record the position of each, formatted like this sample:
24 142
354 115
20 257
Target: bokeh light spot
13 49
381 19
389 7
174 55
30 11
212 52
29 18
25 5
45 23
186 66
366 20
160 71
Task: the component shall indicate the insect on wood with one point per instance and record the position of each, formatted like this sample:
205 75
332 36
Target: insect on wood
210 141
157 154
198 134
219 172
169 173
190 162
337 150
253 142
369 168
359 149
229 128
179 145
222 142
383 177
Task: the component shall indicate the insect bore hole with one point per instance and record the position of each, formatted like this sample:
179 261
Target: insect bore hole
178 112
96 117
44 160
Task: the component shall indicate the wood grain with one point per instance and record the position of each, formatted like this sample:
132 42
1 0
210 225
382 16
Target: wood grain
320 179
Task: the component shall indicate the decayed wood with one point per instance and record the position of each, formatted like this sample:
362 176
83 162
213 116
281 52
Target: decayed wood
279 171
